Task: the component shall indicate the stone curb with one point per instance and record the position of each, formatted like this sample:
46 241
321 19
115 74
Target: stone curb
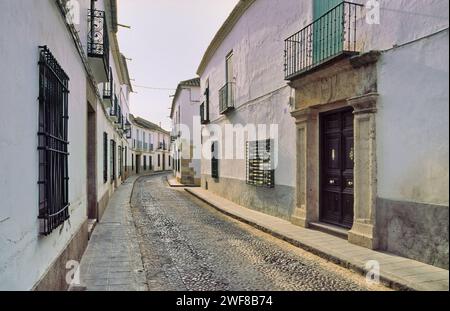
387 279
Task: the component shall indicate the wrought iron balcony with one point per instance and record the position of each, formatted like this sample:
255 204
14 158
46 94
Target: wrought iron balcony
98 44
226 98
331 36
162 146
139 146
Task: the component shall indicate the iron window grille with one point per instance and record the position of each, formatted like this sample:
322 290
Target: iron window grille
119 152
52 143
98 36
105 157
332 35
214 160
126 159
259 160
226 98
113 160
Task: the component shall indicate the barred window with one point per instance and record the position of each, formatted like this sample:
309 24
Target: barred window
119 152
126 159
105 157
260 171
113 160
215 160
52 143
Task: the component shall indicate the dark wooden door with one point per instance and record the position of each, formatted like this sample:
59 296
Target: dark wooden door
337 162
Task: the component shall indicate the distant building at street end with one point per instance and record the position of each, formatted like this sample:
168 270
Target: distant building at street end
185 115
150 147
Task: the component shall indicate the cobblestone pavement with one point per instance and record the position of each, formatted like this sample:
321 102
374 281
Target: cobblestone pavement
187 245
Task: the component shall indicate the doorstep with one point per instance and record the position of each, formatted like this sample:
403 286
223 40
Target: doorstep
174 183
330 229
395 271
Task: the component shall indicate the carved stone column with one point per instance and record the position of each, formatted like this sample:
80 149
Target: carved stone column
307 154
363 232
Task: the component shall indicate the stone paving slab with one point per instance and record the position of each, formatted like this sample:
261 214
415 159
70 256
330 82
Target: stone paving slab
112 261
397 272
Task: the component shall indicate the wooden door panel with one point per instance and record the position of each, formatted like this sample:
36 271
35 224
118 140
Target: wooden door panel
337 164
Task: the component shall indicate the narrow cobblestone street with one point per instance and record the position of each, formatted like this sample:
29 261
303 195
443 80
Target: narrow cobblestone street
187 245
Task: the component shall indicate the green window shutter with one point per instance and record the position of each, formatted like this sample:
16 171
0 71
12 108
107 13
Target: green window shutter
328 29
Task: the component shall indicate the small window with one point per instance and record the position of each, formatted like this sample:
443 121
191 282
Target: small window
259 158
53 143
215 160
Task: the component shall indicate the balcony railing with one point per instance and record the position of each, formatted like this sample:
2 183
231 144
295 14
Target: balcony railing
332 35
98 42
139 146
162 146
226 98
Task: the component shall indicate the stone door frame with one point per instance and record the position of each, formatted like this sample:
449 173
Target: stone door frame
308 166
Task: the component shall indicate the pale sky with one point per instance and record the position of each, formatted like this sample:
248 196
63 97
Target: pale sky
166 42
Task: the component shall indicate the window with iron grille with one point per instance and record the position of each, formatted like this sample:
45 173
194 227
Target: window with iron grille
105 157
52 143
215 160
126 159
119 152
259 156
113 160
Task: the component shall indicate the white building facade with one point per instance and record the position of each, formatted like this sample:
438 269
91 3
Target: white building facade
150 147
185 115
360 99
55 63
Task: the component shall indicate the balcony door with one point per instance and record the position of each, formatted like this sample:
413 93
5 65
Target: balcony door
328 29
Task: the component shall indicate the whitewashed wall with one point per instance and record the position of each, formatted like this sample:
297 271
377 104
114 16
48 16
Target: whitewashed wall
413 122
188 103
262 95
24 254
